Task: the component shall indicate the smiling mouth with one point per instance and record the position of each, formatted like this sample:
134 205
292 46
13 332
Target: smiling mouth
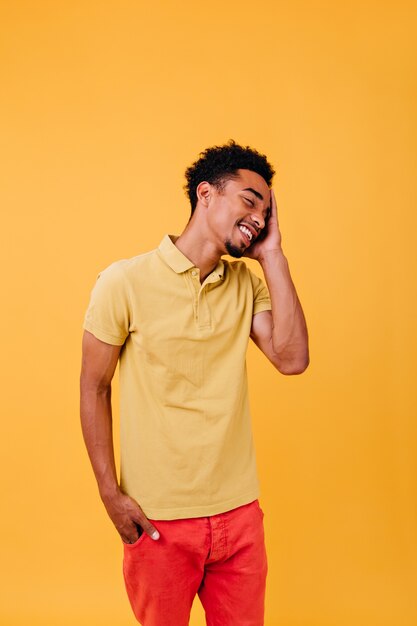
246 234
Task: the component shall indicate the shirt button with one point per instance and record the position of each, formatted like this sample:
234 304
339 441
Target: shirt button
194 273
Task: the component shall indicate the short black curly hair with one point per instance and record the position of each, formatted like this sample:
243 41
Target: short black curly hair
219 164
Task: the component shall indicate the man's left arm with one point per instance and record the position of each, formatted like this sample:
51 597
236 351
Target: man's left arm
282 333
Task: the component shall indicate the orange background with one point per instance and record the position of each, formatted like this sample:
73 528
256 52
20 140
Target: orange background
104 105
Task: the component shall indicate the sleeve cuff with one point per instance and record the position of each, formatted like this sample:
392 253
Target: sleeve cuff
262 306
103 335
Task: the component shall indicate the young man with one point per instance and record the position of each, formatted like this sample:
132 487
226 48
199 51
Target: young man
179 319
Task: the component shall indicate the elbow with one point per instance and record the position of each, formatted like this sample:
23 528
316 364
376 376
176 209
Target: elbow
98 387
293 368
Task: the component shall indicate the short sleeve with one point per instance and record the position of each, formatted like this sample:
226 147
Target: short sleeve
261 297
108 313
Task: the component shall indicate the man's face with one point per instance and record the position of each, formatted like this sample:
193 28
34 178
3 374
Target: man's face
238 213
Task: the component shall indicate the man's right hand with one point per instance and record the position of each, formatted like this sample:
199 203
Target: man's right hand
99 360
126 515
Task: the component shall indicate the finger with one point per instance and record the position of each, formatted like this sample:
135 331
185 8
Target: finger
273 201
274 209
147 526
132 537
129 538
139 517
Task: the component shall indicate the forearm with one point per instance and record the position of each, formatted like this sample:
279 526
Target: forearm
96 422
289 330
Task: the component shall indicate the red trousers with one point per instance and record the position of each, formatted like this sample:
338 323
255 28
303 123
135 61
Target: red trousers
221 558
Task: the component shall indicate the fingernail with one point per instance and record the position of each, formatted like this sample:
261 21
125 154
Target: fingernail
155 534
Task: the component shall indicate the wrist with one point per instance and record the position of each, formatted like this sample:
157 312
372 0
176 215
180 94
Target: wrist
271 254
109 493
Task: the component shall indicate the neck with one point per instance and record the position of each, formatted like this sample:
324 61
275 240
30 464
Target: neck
195 244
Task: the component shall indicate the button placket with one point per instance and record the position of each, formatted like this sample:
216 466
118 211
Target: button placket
202 314
195 281
204 320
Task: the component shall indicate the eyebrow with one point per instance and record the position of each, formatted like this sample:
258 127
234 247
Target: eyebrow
256 193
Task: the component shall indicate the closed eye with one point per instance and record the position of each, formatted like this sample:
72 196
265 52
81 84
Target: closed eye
248 200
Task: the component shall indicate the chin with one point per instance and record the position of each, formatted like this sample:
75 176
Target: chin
233 250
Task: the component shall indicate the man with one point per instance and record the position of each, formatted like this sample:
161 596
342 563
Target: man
178 319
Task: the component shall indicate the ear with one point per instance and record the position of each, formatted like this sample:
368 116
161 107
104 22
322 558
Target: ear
204 192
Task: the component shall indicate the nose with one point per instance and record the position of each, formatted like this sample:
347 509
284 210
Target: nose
258 219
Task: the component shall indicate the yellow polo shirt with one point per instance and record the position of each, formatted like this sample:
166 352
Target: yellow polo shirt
186 434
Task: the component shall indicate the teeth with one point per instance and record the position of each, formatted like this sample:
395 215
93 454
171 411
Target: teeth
246 231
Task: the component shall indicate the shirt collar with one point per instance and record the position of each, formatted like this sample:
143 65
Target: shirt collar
179 262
